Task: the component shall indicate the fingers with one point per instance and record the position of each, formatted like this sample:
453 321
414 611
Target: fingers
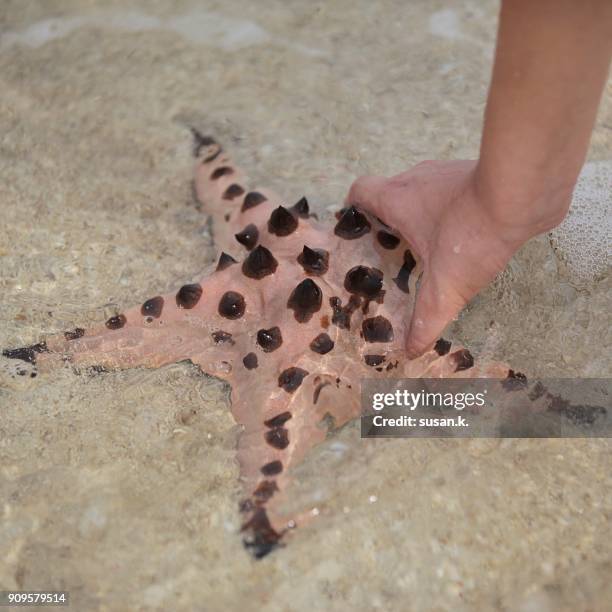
366 193
434 309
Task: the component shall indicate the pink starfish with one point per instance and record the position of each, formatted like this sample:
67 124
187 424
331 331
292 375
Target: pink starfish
293 322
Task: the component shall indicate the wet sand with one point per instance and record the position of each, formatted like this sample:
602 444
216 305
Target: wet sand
122 487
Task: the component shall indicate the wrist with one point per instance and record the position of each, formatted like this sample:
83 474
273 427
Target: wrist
521 206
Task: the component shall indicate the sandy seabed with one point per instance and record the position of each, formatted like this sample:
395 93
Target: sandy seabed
122 487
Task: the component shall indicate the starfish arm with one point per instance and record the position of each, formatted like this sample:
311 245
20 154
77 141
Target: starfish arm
241 213
279 431
185 325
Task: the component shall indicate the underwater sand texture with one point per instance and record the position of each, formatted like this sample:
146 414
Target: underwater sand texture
122 487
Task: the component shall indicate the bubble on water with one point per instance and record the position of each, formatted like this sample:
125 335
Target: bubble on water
583 241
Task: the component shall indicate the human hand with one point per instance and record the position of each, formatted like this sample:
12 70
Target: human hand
437 208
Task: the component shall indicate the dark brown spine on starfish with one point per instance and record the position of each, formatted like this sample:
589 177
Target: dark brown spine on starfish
515 380
314 261
279 420
291 378
225 261
464 360
221 337
265 490
153 307
259 263
386 240
403 276
116 322
364 281
282 222
442 346
231 305
322 344
252 199
272 468
262 538
219 172
26 353
248 237
278 438
233 191
250 361
78 332
305 300
341 315
377 329
301 208
269 339
352 224
189 295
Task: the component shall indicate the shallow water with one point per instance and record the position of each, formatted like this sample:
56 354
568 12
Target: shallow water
122 487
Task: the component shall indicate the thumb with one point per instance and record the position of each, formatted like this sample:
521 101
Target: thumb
434 309
365 193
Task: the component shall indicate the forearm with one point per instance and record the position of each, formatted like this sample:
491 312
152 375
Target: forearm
551 65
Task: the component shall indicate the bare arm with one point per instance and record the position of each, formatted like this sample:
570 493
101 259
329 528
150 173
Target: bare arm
551 66
466 219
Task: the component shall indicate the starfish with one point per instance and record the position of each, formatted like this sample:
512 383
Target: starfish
294 314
